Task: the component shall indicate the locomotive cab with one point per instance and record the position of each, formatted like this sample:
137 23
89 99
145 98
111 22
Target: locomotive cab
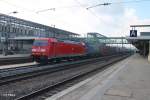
41 49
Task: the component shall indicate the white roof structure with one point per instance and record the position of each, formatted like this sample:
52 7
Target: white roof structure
138 38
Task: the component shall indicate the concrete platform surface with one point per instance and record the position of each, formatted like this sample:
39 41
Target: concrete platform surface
133 83
17 65
14 56
126 80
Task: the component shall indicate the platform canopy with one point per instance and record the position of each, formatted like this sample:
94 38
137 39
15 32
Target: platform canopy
141 42
138 38
139 25
19 27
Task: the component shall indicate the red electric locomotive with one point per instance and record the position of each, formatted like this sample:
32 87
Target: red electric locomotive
44 49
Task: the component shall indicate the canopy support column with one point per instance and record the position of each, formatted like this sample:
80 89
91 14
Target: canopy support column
149 52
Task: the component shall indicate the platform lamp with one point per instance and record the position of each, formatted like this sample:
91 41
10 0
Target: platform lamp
14 12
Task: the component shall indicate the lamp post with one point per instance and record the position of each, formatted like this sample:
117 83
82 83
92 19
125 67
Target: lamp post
44 10
14 12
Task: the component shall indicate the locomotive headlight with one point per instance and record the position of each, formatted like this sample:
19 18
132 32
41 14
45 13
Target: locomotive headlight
43 50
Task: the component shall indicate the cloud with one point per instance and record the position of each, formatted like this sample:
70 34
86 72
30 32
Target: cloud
71 15
128 18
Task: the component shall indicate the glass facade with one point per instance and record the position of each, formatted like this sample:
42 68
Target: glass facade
12 28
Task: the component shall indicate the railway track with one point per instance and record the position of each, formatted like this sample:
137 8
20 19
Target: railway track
57 71
12 74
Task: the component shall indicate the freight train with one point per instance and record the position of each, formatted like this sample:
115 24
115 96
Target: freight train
45 49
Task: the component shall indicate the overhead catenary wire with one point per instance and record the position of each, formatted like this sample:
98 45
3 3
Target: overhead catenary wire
72 6
60 7
77 6
103 4
42 10
23 8
90 11
52 9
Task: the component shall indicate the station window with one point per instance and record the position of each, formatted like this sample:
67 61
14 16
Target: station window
13 30
8 29
25 32
0 28
3 28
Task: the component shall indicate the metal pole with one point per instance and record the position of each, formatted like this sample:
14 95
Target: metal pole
149 51
5 39
130 48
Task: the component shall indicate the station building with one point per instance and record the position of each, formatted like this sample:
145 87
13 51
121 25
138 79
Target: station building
18 34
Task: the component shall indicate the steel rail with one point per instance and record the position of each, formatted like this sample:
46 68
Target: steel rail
44 70
45 89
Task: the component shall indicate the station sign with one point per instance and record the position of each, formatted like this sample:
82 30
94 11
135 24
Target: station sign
133 33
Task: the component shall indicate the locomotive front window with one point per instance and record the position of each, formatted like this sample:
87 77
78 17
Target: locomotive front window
40 43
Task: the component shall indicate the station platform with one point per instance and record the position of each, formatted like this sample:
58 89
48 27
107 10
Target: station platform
12 60
125 80
17 65
14 56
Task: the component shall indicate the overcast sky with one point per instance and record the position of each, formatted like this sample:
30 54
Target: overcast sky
72 15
